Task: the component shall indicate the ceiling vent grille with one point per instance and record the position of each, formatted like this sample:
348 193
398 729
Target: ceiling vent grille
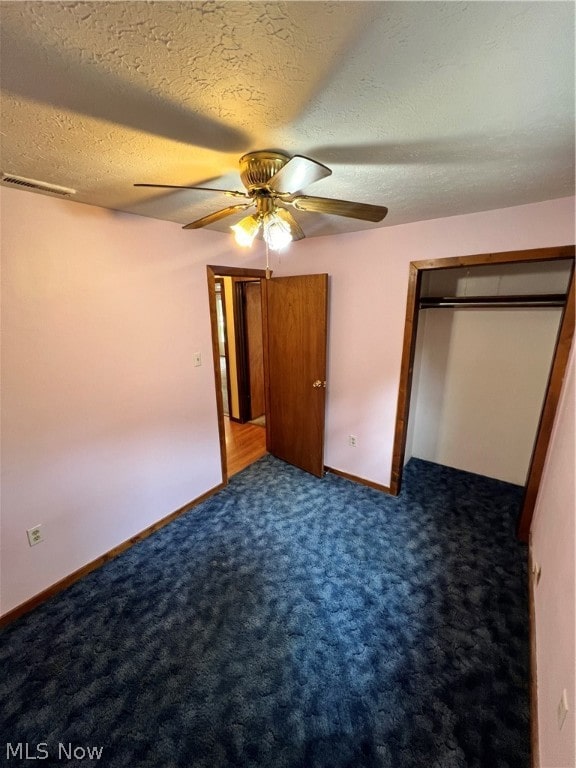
39 186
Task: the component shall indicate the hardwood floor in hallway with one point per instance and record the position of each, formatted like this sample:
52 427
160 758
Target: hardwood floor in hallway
245 443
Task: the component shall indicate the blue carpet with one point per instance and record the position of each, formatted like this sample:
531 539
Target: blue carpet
290 622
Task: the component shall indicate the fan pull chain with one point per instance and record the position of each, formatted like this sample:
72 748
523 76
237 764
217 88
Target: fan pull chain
268 270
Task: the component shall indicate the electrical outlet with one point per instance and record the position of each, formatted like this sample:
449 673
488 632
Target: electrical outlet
35 535
562 708
197 359
352 441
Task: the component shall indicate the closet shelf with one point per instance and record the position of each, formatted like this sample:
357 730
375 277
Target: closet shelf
475 302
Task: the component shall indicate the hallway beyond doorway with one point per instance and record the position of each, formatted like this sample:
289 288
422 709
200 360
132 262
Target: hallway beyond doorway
245 443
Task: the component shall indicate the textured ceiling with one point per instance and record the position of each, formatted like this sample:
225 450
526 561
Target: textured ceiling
430 108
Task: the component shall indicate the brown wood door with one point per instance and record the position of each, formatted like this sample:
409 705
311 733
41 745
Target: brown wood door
253 319
295 313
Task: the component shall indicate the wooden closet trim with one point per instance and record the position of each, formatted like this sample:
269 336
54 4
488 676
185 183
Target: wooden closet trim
551 399
560 359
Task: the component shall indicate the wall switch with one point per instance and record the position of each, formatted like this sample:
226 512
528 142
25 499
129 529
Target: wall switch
562 708
35 535
197 359
536 571
352 441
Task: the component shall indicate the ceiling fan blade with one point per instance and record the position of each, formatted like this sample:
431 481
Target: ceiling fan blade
297 174
295 228
216 216
339 207
229 192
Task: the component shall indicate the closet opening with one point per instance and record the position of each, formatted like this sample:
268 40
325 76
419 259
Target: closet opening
486 343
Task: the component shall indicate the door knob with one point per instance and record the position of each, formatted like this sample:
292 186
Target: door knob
318 384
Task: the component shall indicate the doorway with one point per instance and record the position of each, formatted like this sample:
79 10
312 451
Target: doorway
418 270
238 365
293 318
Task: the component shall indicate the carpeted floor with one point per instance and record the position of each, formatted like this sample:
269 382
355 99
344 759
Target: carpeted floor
290 622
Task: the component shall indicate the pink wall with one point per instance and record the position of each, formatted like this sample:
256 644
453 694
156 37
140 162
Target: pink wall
553 548
369 272
107 427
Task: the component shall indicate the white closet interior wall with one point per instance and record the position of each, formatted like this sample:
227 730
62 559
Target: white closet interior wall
480 375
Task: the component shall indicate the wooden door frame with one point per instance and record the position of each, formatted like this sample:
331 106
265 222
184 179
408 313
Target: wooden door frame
557 371
220 281
213 271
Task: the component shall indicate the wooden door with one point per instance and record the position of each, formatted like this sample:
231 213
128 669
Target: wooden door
253 320
295 327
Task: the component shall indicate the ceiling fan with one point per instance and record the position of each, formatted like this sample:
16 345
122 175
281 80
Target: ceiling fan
273 182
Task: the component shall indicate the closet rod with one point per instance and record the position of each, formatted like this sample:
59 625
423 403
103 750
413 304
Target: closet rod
474 302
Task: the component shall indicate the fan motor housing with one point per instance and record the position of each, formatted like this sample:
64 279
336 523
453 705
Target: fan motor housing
257 168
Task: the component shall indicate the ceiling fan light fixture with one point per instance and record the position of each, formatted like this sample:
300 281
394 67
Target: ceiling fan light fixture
246 230
277 232
272 181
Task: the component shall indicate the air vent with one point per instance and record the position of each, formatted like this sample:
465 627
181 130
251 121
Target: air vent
39 186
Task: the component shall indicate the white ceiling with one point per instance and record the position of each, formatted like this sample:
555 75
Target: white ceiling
430 108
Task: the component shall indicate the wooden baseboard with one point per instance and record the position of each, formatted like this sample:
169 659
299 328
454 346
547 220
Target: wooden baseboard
534 739
360 480
67 581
